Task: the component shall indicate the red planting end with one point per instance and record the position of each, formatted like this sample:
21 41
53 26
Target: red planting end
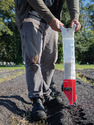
69 88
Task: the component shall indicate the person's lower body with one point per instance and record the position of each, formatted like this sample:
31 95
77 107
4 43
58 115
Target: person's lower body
39 49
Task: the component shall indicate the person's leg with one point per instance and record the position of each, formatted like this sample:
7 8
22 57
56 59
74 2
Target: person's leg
48 60
31 36
49 55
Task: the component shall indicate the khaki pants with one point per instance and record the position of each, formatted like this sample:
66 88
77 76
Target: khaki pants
39 49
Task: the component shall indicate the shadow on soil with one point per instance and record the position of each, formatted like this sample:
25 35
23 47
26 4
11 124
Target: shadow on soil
56 114
10 105
7 102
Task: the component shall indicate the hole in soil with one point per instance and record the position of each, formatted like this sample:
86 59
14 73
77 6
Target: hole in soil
82 114
80 123
55 119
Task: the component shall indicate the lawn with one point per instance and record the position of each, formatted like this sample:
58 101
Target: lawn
81 67
12 67
57 66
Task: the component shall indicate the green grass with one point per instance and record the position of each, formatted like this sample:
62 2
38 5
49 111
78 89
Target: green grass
12 67
84 66
59 66
84 78
81 67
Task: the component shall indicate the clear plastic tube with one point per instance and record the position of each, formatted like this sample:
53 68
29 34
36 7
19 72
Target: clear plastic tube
69 82
69 52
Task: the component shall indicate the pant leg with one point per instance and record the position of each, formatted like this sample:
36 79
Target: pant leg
31 36
49 55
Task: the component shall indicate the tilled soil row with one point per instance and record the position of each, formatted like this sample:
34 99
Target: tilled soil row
82 114
87 73
15 107
7 73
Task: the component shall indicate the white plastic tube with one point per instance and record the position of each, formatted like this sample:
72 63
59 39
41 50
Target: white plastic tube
69 52
69 82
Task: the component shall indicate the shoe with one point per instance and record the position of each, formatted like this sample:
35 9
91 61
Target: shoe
38 111
50 101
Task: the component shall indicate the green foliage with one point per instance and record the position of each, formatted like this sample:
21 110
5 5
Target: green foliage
90 9
84 39
6 15
10 46
60 49
65 18
10 43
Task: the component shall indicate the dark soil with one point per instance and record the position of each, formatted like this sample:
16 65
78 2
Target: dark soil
15 107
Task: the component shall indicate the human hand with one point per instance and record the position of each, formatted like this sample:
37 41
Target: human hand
55 24
77 23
